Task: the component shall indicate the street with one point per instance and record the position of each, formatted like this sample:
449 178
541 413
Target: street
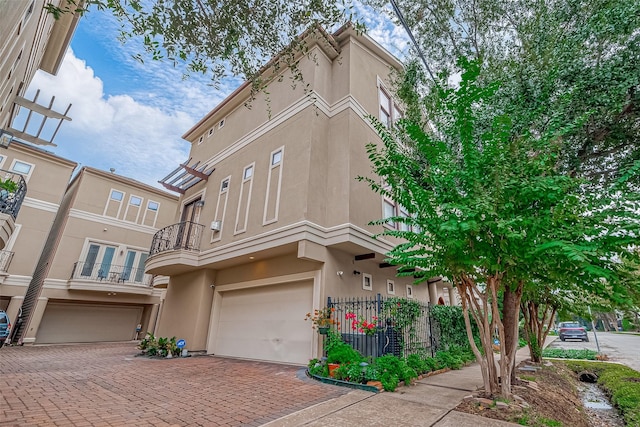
619 347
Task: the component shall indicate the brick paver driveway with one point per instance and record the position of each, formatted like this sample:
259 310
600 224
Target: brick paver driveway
106 385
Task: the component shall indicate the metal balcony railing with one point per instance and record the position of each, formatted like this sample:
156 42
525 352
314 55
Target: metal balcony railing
13 188
5 260
99 272
183 235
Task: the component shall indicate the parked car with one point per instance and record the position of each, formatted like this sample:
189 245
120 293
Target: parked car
572 330
5 327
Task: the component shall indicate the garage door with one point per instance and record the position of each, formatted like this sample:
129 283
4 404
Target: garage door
266 323
87 323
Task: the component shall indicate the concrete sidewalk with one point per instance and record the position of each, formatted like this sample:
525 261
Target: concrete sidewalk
430 403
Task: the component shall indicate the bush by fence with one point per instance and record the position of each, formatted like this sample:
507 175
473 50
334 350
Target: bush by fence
378 326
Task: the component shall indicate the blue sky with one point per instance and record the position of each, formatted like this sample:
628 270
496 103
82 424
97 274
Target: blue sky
129 115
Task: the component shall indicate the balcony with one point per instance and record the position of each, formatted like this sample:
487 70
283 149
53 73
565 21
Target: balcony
174 249
13 189
113 278
183 235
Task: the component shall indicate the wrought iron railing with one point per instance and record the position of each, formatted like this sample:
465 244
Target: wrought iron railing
393 332
99 272
5 260
13 189
183 235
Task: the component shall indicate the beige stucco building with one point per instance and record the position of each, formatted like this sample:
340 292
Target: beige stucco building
272 220
78 250
30 39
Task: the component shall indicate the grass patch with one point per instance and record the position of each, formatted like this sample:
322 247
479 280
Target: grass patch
550 422
570 354
620 382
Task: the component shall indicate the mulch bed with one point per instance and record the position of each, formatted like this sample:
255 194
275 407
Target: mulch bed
550 394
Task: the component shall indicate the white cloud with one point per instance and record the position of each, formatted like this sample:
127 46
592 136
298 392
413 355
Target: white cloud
141 141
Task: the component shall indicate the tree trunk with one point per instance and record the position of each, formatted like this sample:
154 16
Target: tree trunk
537 324
511 316
476 303
507 352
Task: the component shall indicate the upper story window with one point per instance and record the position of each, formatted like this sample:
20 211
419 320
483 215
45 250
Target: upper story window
21 167
221 124
276 158
211 130
389 111
224 186
200 140
28 12
116 195
135 201
248 172
153 206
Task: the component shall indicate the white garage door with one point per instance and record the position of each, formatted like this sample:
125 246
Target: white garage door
266 323
87 323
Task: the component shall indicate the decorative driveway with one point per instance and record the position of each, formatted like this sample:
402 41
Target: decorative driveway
106 385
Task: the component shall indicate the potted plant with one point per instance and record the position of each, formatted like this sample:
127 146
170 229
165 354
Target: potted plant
343 354
7 188
322 319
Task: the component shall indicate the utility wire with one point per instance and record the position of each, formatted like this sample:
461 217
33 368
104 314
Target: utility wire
396 9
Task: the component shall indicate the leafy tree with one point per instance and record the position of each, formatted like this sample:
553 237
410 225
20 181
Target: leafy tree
558 58
494 211
221 38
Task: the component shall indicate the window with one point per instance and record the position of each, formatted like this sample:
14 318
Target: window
211 131
221 124
152 206
200 140
21 167
28 12
116 195
409 291
389 211
385 107
135 201
276 158
389 111
402 225
224 186
391 288
97 262
367 282
248 172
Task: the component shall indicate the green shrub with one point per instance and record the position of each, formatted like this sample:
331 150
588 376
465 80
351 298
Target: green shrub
343 353
570 353
371 373
161 347
618 381
417 363
389 381
391 367
316 367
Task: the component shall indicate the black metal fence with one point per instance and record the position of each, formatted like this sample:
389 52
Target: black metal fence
183 235
377 326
